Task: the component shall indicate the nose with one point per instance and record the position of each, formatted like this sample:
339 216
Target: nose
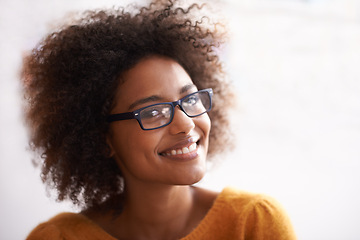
181 122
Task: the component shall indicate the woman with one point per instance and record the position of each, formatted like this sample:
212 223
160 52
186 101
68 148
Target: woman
119 108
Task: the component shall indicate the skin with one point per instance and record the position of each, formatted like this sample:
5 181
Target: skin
160 202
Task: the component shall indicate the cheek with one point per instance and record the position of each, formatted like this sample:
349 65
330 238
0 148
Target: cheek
204 124
132 146
128 147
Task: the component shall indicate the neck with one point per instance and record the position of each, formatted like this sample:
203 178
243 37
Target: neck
166 212
156 212
158 204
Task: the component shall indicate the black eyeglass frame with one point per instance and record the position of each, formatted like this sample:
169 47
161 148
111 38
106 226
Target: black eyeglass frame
136 114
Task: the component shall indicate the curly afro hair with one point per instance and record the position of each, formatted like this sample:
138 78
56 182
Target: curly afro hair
71 77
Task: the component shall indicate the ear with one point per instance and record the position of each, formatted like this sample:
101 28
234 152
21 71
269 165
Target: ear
109 143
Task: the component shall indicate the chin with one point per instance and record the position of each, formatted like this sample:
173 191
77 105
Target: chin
192 177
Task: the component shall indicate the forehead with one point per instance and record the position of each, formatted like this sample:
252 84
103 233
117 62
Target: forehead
153 75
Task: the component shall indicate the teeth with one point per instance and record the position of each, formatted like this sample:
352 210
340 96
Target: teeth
192 147
184 150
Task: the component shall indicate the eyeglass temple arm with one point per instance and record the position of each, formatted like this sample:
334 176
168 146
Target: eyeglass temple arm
120 116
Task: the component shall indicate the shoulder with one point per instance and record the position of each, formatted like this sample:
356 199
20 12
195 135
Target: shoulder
258 215
242 201
52 228
67 226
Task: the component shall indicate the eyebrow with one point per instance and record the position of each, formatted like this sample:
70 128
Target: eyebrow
154 98
187 87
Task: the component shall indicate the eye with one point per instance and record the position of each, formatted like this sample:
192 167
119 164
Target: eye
156 112
150 113
191 100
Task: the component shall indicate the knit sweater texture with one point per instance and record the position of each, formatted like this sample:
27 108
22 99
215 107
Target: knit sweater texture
235 215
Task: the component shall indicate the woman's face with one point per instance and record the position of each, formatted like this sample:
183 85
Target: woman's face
148 156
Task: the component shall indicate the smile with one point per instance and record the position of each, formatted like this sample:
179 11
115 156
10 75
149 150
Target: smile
187 148
181 151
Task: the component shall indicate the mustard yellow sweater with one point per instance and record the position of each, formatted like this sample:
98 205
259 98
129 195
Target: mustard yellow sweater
235 215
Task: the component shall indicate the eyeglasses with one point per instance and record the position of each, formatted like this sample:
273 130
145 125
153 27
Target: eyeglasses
161 114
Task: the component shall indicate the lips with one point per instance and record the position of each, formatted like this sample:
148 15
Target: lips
184 148
180 151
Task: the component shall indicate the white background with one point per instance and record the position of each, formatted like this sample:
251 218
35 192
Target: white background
295 65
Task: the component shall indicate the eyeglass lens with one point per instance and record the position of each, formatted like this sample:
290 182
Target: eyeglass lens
156 116
159 115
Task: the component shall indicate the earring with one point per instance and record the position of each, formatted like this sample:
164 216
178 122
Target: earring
121 184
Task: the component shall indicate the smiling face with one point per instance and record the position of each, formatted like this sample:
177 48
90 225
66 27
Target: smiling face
174 154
